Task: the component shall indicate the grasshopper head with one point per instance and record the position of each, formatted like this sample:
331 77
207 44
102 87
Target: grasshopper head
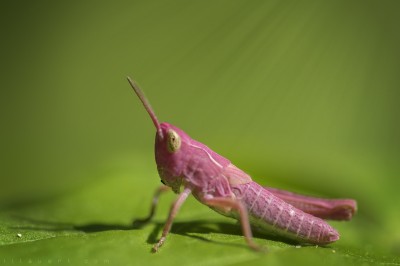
171 152
171 146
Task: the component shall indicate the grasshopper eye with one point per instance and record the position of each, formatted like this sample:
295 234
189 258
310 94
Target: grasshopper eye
173 142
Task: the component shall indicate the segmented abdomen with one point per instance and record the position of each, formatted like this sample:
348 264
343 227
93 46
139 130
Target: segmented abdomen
270 213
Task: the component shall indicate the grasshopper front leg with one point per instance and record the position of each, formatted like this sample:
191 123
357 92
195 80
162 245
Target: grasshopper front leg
172 213
232 204
153 206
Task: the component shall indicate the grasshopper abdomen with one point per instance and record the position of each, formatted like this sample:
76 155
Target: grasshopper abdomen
271 214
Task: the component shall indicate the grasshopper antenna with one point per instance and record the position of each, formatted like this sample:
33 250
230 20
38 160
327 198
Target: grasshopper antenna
146 104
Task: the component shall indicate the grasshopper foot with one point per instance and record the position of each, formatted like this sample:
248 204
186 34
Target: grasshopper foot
257 248
157 246
138 223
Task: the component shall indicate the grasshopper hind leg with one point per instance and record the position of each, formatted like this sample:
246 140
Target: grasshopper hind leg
231 204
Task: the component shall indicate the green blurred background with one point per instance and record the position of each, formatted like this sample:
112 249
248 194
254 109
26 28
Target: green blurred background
303 95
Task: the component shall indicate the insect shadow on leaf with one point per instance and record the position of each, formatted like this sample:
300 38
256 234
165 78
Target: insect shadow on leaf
199 229
43 225
196 229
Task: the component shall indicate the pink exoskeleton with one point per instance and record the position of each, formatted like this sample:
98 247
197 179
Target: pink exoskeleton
189 167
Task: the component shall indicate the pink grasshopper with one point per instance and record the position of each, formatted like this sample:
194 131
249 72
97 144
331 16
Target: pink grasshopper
214 181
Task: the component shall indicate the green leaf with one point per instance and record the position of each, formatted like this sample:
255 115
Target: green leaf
93 225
